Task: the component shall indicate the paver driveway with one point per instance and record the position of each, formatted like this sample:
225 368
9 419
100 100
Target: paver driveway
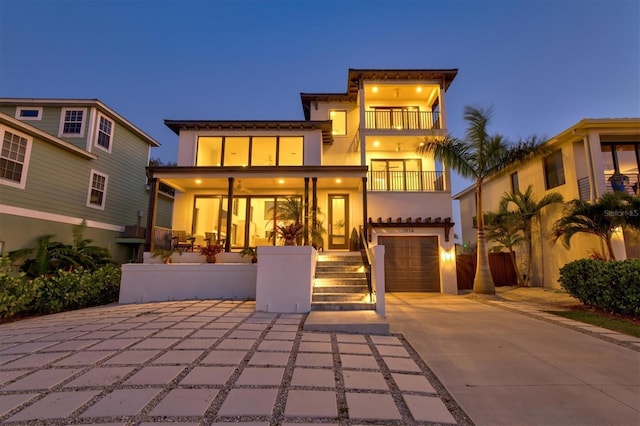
208 362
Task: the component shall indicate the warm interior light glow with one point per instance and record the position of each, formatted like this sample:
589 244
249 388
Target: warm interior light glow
338 180
421 144
375 89
198 181
280 181
376 143
332 113
419 89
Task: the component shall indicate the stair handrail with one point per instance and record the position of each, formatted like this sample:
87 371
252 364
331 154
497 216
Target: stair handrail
366 259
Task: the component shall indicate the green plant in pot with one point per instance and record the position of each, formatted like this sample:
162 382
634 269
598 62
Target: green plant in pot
250 251
165 254
210 252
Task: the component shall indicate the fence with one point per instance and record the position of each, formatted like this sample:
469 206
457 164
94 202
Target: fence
500 264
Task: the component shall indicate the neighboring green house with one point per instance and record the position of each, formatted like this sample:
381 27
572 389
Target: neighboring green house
67 160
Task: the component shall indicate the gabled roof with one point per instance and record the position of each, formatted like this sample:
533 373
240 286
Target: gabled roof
81 103
235 125
356 75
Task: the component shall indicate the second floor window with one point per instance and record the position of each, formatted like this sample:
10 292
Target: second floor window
553 170
339 122
13 159
105 133
97 190
515 186
244 151
72 123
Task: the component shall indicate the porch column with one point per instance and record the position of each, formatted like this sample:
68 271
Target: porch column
149 244
365 214
314 202
227 240
306 212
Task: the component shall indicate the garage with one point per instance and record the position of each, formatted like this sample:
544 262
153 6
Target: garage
411 263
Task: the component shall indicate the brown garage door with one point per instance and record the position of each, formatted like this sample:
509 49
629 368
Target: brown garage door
411 263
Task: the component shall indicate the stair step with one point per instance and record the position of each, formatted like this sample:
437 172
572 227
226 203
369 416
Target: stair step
340 297
336 275
359 321
342 306
329 282
343 268
341 289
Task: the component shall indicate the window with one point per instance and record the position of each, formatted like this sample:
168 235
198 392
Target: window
72 122
339 122
400 175
515 186
14 157
250 151
553 170
105 133
29 113
97 190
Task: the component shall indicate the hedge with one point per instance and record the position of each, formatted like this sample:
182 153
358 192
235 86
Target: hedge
612 286
61 291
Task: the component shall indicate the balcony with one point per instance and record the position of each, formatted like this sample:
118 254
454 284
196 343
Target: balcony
405 181
402 120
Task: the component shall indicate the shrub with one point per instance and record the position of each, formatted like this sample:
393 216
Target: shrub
613 286
61 291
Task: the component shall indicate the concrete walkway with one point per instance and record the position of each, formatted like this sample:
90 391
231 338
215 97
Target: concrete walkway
506 368
209 362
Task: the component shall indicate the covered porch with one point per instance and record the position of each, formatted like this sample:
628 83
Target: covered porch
241 206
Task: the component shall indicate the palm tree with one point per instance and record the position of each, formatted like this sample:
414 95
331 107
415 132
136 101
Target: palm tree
504 228
478 156
528 208
601 218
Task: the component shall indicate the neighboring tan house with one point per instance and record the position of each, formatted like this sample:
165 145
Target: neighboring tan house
583 158
352 160
68 160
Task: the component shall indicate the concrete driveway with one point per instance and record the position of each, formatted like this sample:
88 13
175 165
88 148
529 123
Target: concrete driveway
506 368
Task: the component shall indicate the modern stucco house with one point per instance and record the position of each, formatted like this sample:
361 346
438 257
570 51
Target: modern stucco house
351 163
68 160
582 160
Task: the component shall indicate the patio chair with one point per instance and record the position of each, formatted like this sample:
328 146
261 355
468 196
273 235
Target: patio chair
181 241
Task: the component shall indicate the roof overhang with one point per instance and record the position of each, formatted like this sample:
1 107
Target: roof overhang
446 76
259 178
324 126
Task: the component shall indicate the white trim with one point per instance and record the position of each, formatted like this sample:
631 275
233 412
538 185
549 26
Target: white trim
104 195
92 125
52 217
96 132
27 158
83 123
22 108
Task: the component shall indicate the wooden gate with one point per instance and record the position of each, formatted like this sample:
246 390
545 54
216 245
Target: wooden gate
502 270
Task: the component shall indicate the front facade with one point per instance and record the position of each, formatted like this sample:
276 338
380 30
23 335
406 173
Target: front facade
68 160
580 165
351 164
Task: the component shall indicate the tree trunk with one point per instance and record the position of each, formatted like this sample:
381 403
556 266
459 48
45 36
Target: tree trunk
483 282
527 236
612 255
515 267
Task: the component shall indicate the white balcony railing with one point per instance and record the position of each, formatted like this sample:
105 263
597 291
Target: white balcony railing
406 181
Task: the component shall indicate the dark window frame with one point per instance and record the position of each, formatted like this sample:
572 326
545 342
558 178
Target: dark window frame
553 170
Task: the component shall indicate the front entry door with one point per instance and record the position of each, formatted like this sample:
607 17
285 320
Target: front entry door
338 221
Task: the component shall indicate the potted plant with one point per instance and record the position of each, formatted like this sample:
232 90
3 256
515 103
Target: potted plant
165 254
250 251
210 251
290 233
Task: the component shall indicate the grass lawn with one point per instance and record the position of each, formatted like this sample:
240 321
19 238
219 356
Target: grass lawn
604 320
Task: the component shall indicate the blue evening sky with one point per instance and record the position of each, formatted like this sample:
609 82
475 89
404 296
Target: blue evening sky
542 64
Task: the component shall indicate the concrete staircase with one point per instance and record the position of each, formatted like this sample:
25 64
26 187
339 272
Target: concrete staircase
341 283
